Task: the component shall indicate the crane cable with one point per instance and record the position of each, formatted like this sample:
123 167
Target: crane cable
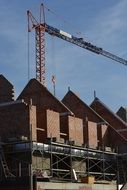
28 54
58 16
54 65
62 18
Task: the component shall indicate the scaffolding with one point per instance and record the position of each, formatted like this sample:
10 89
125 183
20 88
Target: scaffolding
60 162
4 166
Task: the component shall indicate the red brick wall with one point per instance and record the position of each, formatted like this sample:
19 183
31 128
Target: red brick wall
103 135
92 134
14 121
85 133
41 125
41 118
49 124
53 124
76 129
33 122
116 141
79 131
73 127
64 126
41 136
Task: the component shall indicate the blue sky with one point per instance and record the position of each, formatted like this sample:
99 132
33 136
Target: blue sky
101 22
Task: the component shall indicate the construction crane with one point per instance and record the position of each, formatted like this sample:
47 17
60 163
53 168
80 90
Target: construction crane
41 27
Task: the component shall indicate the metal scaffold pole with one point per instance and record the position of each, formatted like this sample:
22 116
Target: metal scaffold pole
30 165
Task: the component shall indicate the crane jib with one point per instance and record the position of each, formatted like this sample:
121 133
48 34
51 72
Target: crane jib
82 43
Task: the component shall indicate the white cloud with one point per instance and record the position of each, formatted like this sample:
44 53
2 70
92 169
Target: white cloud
110 25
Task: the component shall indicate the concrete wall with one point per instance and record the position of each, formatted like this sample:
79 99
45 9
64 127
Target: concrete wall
56 186
79 165
74 186
40 164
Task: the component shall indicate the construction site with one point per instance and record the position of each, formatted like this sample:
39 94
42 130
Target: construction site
47 143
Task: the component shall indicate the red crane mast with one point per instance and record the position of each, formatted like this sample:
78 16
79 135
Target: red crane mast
39 43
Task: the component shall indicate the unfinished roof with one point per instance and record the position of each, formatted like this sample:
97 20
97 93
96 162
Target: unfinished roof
115 121
41 96
122 113
4 80
80 108
6 90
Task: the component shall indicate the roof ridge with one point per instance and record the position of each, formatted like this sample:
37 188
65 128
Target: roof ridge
97 99
42 86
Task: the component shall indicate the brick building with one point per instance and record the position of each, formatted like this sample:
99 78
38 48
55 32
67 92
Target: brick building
101 125
38 110
15 120
118 128
95 129
49 111
28 124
